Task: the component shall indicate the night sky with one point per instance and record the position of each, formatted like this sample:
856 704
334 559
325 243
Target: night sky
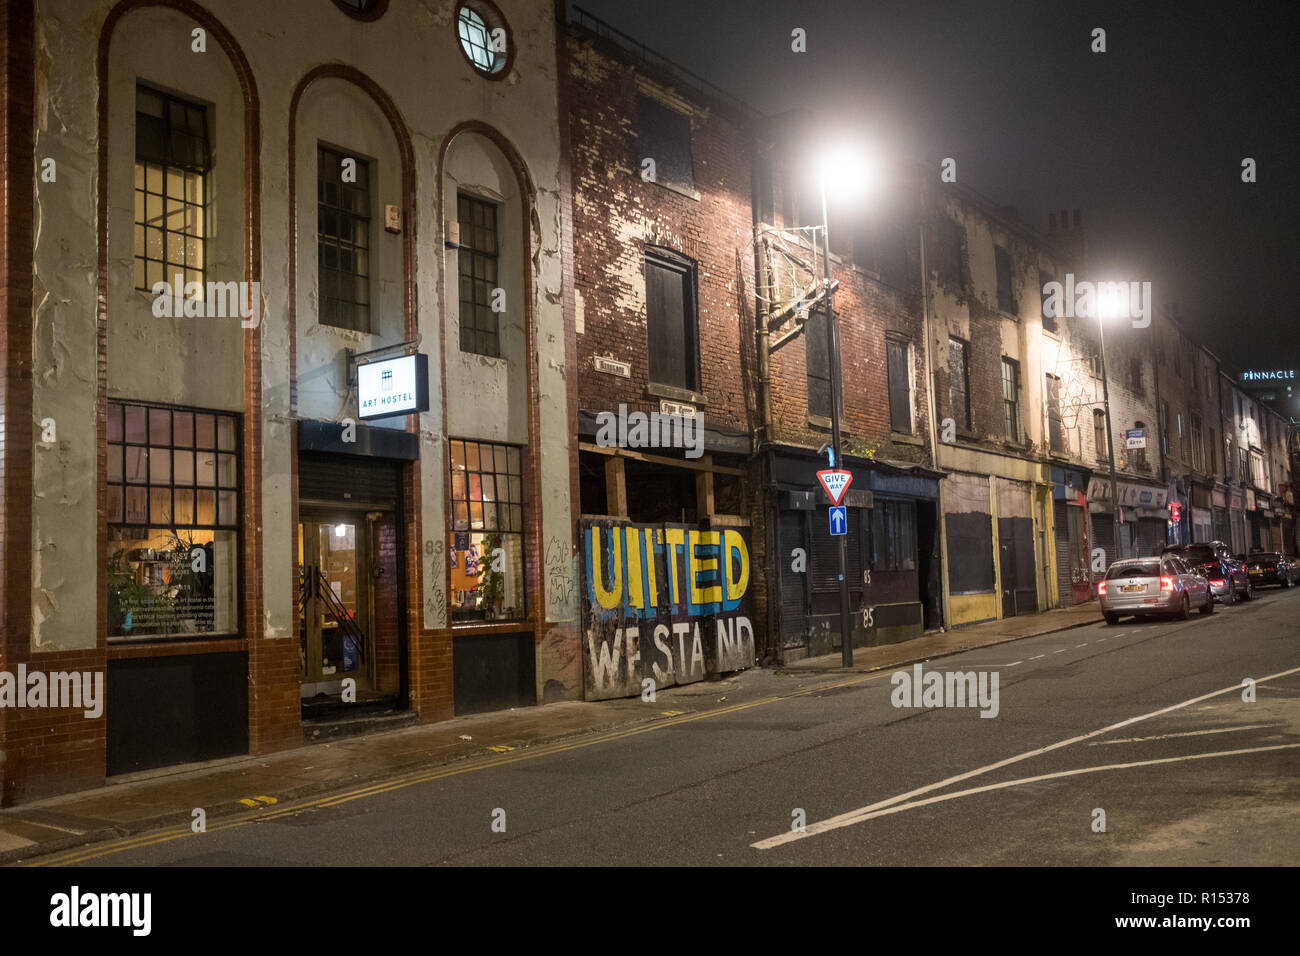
1146 139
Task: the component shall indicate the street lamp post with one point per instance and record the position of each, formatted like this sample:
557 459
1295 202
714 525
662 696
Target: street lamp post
833 350
1110 436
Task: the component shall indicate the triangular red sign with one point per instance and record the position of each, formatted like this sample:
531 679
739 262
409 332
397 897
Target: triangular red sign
836 483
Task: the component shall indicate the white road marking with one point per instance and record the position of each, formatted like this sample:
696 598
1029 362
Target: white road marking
1077 646
1061 651
1037 656
899 808
1013 664
1101 640
1185 733
855 816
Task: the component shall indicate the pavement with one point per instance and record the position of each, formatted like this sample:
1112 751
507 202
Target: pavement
235 787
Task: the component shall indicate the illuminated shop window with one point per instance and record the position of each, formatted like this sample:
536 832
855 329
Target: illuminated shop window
487 540
173 521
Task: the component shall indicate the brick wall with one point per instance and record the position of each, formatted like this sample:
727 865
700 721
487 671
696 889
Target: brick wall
617 216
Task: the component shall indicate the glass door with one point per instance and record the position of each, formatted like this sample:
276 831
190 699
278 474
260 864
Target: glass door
334 600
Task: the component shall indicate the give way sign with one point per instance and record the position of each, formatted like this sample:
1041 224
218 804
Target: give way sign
836 482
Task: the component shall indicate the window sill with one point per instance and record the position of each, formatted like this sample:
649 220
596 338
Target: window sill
817 421
689 193
903 439
486 359
675 393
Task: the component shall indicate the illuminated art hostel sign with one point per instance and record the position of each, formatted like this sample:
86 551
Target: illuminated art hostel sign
396 386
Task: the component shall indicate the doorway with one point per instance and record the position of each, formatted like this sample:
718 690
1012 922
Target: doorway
336 622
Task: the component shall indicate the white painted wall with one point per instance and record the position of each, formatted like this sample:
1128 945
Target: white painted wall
412 53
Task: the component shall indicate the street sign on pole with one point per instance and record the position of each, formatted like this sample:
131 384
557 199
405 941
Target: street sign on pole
839 518
836 482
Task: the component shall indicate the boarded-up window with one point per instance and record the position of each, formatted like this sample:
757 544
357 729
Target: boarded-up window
664 135
959 382
1049 321
1006 297
950 255
817 360
900 394
1055 435
880 245
670 318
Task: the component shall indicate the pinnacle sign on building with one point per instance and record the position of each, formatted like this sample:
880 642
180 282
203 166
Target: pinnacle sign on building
1271 375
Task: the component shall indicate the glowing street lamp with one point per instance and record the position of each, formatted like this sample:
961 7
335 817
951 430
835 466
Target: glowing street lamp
849 172
1109 307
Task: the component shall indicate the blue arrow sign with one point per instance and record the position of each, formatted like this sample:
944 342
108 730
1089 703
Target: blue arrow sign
839 520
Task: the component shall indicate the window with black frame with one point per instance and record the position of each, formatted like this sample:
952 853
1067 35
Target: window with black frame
487 536
480 330
1011 399
893 536
173 157
343 238
1055 424
173 512
959 382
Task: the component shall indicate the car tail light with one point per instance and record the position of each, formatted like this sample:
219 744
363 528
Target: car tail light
1101 587
1166 583
1217 582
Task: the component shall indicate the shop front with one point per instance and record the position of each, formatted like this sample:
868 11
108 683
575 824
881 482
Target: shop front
351 533
1202 515
1239 540
892 554
1070 514
1143 521
1219 515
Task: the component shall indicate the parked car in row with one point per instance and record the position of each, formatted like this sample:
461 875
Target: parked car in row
1270 567
1228 579
1162 585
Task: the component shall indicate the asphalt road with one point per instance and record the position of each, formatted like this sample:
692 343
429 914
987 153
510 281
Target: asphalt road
1144 721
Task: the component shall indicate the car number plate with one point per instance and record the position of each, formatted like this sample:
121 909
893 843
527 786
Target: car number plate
1134 587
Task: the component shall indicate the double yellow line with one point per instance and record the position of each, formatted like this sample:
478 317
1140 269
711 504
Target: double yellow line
94 851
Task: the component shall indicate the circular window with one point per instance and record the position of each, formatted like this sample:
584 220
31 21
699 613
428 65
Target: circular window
362 9
484 38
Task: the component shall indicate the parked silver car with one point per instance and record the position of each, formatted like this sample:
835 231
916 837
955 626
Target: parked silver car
1163 585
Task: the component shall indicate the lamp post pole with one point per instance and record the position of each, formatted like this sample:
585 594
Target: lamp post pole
833 355
1110 439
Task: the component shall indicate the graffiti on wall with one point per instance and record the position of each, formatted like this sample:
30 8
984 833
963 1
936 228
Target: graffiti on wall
666 602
